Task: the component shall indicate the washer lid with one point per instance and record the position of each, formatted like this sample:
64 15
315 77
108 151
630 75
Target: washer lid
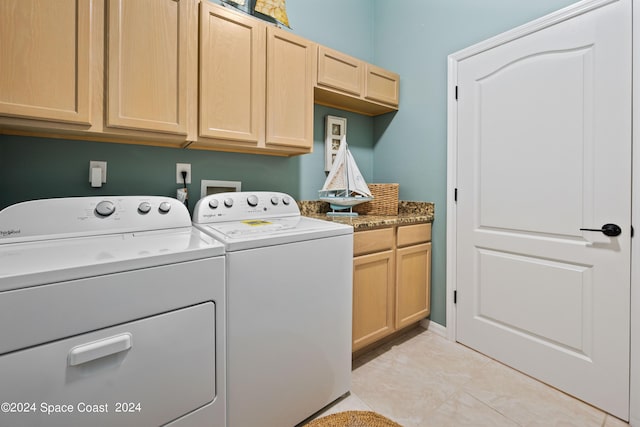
256 233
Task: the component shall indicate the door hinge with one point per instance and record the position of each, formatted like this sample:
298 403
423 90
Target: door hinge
455 194
455 297
632 231
456 93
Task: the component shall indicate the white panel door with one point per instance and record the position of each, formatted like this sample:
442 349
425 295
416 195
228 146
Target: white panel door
544 150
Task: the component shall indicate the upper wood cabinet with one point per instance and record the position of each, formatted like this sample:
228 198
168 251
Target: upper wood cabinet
290 64
339 71
178 73
351 84
148 43
232 76
382 85
45 59
256 85
112 70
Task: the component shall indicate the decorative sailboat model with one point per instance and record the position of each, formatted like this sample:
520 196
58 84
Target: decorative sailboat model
345 187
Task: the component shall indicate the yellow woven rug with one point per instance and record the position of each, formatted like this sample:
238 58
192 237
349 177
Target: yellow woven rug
353 419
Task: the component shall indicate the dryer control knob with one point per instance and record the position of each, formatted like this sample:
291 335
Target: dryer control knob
213 203
105 208
275 200
228 202
252 200
286 200
144 208
164 207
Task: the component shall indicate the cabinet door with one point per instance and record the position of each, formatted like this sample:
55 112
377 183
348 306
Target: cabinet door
148 62
339 71
45 55
373 298
290 61
382 85
232 75
413 280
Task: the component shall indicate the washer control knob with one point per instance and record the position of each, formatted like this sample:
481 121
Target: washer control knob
144 208
228 202
164 207
286 200
213 203
275 200
105 208
252 200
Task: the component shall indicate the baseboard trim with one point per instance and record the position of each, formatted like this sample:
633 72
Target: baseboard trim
434 327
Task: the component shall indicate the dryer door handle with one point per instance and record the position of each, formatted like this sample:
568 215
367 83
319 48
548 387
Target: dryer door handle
98 349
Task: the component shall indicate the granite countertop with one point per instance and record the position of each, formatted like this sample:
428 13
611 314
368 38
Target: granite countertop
408 213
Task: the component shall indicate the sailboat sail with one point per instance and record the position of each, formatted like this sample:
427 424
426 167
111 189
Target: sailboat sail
337 178
345 186
356 181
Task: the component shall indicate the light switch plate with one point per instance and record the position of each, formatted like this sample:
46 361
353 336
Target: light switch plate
98 164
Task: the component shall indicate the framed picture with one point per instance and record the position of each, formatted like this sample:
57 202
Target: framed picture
248 7
336 127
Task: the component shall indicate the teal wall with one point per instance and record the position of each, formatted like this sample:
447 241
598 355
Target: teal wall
32 168
414 38
411 37
346 26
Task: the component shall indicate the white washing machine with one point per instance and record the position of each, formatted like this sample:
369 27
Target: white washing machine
289 305
112 313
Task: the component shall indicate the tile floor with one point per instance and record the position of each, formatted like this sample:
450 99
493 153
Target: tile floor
421 379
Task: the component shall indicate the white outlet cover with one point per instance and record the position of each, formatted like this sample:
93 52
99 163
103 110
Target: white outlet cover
183 167
98 164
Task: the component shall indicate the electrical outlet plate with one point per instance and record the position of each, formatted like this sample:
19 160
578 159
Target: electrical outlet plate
101 165
183 167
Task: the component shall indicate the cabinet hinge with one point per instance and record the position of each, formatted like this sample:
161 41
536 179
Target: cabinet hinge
456 93
455 194
455 297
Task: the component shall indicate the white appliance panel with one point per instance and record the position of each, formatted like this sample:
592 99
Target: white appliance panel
169 370
76 270
89 216
235 206
289 302
60 310
289 330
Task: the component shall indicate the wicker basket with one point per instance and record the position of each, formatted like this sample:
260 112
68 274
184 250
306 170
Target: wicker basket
385 200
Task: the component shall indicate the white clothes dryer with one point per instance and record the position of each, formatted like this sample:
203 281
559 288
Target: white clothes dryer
112 313
289 305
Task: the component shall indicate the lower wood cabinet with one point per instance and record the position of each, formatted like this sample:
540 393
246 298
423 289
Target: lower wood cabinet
373 297
391 281
413 268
